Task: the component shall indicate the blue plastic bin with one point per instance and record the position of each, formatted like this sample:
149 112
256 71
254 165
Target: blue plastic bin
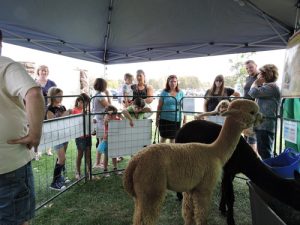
285 164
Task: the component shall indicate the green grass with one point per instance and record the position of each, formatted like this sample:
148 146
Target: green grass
103 201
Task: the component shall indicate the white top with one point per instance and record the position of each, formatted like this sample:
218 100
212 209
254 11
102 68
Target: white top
97 106
127 91
14 84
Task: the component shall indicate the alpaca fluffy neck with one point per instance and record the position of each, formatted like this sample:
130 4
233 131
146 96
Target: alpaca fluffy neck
227 140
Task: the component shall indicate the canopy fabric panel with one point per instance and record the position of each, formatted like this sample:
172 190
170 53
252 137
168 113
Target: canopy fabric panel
124 31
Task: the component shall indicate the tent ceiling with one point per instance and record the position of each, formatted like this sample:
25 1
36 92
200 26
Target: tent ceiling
123 31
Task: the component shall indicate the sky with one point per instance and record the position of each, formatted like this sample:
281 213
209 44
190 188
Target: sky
63 69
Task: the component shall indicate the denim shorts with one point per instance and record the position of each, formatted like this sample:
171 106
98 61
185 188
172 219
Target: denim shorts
103 147
63 145
17 197
83 143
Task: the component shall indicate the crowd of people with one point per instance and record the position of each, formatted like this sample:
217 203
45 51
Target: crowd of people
40 98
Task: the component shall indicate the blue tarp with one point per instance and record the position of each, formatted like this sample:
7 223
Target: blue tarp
124 31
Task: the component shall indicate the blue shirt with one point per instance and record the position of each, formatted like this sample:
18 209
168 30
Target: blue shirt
170 104
268 98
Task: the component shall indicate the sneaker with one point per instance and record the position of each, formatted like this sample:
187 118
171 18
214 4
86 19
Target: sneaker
49 152
57 186
77 176
96 166
63 180
117 172
106 173
36 157
119 159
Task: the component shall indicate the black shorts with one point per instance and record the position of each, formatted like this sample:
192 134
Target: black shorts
168 129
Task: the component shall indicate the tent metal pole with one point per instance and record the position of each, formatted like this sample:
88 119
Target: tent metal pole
79 51
273 28
269 20
269 17
297 19
106 37
31 41
39 43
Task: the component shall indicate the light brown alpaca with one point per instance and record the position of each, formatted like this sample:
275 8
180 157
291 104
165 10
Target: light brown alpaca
220 108
193 168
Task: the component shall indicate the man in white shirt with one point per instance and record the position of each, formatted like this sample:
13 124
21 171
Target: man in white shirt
21 119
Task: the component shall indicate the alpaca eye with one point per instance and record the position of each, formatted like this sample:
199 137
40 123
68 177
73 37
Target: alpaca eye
252 112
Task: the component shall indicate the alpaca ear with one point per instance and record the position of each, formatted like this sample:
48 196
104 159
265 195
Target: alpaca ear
230 112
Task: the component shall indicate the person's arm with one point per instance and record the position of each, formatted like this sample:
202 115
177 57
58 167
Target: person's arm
125 96
205 103
34 106
159 107
236 94
67 112
104 103
127 115
108 98
258 90
49 115
148 100
146 109
205 108
184 119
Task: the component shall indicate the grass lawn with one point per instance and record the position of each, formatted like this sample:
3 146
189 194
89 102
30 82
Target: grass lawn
103 201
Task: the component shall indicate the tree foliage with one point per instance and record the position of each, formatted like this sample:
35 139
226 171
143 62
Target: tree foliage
185 82
237 79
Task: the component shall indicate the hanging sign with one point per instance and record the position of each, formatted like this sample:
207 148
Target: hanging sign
291 73
290 131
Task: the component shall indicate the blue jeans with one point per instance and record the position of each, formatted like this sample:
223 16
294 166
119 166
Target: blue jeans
265 141
17 197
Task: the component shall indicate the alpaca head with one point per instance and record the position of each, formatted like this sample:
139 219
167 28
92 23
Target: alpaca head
244 112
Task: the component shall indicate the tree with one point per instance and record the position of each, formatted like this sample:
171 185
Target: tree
237 80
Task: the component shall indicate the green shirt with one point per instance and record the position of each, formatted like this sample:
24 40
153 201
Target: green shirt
140 115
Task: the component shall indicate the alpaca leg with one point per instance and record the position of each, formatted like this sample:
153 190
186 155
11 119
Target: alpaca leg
147 209
187 209
179 196
230 203
226 190
201 197
227 198
200 207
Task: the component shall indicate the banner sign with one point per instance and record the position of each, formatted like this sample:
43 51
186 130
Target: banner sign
291 73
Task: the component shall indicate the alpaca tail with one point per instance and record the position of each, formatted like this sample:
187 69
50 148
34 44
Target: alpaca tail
128 177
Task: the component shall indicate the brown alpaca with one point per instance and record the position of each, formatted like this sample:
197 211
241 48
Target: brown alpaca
194 168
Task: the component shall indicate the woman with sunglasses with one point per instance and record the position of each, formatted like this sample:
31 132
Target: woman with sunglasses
216 93
169 116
